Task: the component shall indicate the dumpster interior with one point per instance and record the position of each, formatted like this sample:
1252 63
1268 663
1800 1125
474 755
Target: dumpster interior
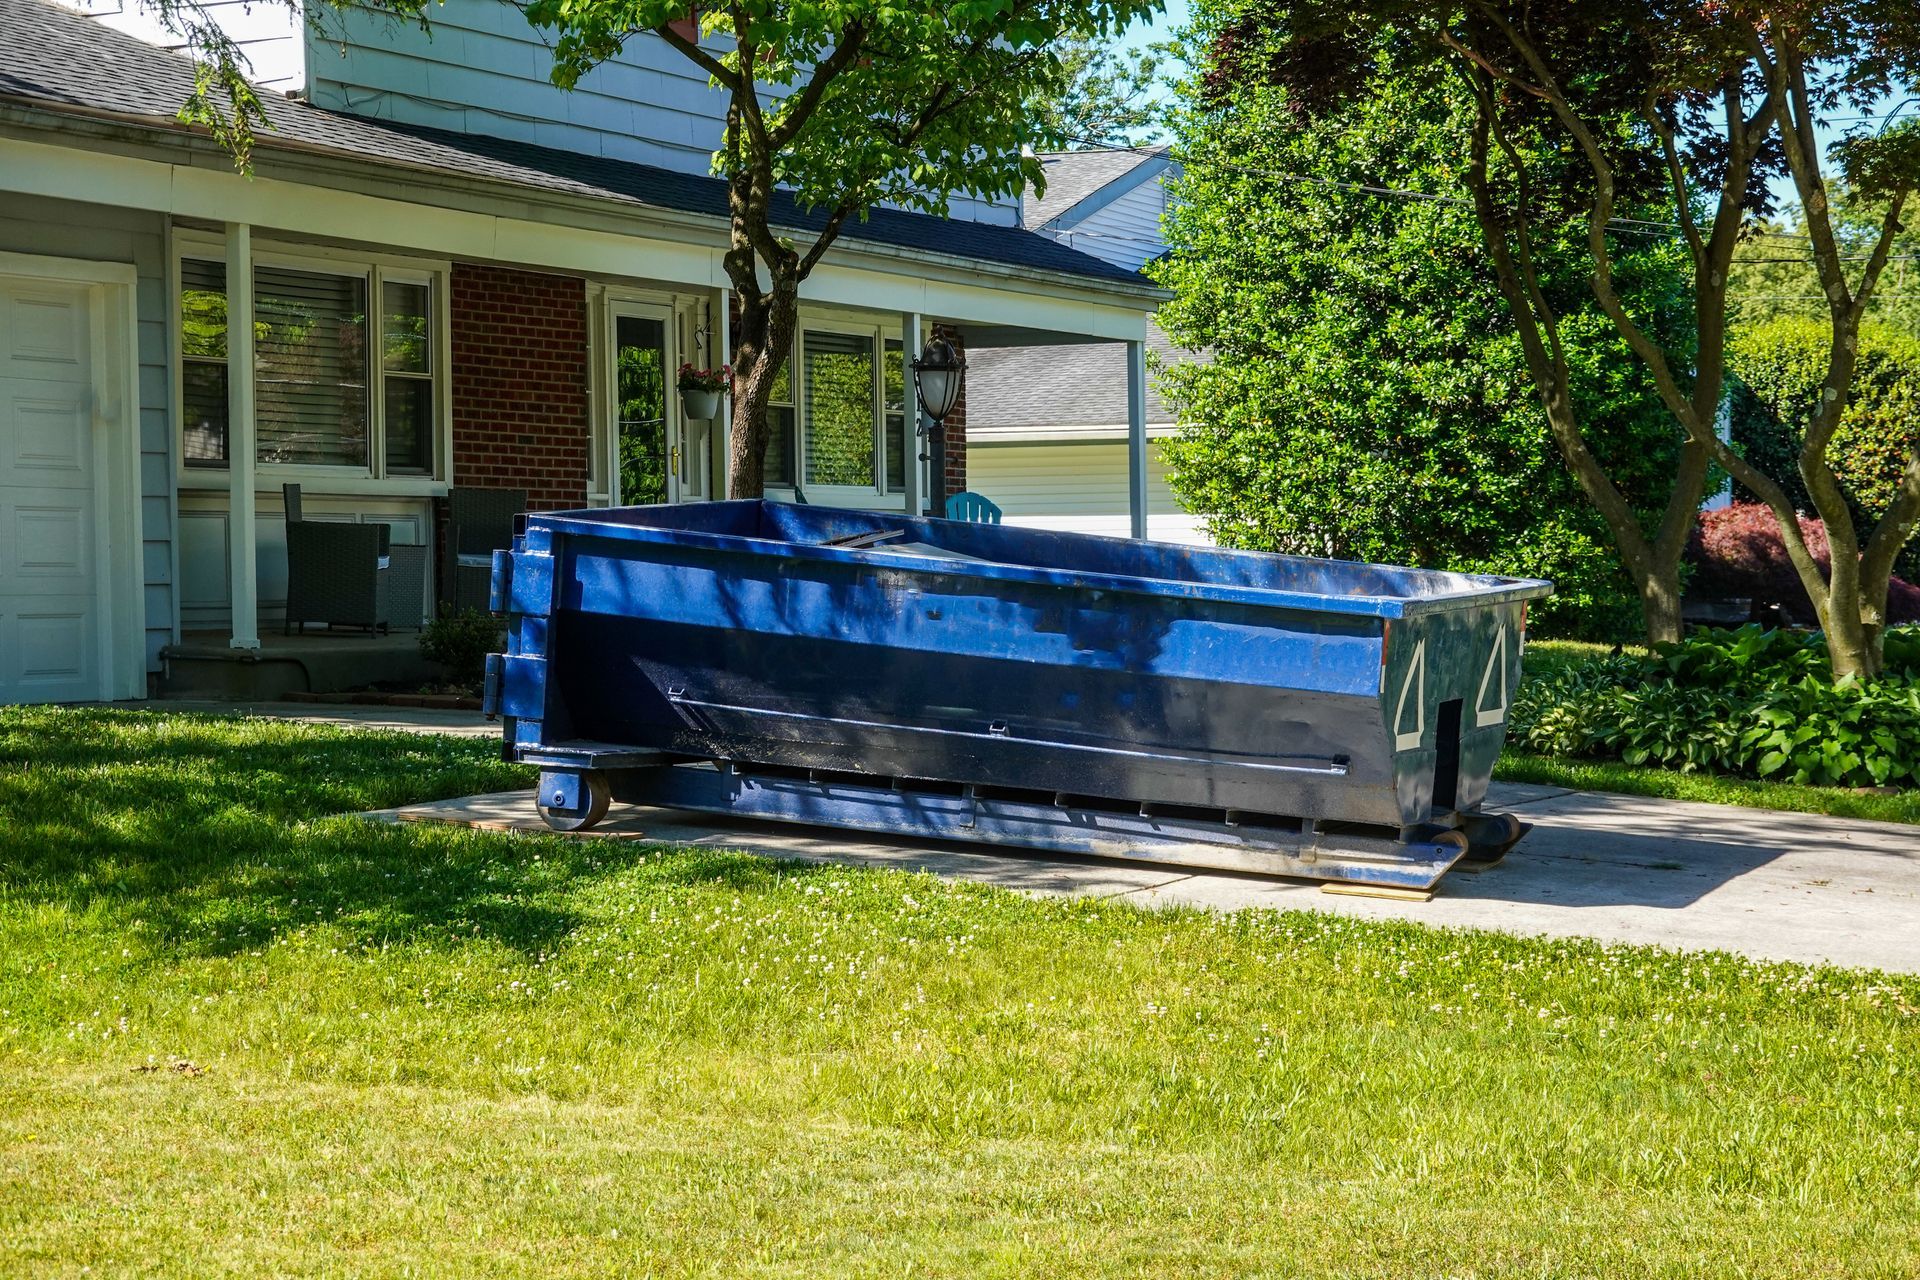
886 533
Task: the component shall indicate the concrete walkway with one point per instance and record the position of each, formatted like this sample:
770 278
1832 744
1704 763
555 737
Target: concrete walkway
1780 886
1619 868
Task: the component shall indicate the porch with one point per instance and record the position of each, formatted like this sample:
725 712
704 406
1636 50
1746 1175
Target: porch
555 385
204 664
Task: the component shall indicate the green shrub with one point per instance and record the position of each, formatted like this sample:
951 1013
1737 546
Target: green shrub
1753 702
460 642
1781 367
1368 397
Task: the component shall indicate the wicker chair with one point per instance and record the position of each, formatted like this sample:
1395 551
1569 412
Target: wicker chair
337 574
479 522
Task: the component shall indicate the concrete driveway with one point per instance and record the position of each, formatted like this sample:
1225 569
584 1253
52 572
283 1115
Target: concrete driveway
1775 886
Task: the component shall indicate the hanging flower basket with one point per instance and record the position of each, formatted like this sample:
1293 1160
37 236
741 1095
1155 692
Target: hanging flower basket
700 390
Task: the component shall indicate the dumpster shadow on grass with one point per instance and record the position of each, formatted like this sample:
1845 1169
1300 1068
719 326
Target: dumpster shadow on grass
1006 867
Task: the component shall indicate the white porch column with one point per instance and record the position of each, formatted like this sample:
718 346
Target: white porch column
1137 435
723 325
909 352
244 593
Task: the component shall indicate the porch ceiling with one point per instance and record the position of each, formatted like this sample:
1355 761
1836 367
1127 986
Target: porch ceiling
981 337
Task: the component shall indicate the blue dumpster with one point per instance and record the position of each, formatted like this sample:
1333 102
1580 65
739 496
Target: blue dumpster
1021 687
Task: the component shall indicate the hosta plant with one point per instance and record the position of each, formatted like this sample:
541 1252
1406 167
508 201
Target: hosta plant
1752 702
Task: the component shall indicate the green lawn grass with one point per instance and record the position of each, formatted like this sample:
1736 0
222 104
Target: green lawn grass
240 1035
1545 656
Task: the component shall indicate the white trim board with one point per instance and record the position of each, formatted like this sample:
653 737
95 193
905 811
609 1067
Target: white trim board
113 329
859 275
989 436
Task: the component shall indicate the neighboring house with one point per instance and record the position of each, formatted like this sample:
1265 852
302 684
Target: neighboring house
527 263
1047 434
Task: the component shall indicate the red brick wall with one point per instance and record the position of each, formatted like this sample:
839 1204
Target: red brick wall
520 383
956 423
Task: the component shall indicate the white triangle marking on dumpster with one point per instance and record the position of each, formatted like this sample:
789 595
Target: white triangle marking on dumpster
1416 671
1483 715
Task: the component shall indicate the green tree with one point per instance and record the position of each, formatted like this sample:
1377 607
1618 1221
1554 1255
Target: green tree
846 104
1112 96
1726 96
1781 364
1368 397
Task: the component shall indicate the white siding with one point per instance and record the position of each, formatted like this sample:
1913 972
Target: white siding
1125 231
97 233
483 70
269 34
1078 488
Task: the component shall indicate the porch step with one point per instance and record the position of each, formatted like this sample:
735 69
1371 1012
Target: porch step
204 666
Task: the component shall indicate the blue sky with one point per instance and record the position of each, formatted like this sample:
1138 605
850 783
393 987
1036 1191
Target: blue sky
1170 20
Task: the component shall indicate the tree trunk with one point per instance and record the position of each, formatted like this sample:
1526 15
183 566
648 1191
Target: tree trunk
1853 646
762 342
1660 604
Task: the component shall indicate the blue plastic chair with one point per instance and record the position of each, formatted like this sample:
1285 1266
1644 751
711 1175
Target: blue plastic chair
971 507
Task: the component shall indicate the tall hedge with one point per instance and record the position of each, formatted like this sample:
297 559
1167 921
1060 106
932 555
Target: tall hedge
1779 365
1368 397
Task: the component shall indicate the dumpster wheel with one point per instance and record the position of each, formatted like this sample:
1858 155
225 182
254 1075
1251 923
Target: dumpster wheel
1492 835
598 796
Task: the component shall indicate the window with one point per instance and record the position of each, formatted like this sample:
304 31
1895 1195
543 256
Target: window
406 363
780 430
838 386
338 381
203 363
894 405
840 413
310 367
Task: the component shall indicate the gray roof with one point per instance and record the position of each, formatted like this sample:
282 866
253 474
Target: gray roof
54 59
1072 176
1044 388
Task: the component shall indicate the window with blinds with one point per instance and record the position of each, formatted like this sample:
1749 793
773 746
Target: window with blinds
310 367
338 380
838 386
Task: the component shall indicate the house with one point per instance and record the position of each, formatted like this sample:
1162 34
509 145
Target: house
1048 431
527 264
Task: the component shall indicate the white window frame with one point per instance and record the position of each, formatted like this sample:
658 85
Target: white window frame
438 358
376 269
873 497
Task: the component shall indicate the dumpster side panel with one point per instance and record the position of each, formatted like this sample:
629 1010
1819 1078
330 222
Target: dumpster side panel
1447 681
842 664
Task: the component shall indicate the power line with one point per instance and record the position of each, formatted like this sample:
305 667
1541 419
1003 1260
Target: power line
1807 262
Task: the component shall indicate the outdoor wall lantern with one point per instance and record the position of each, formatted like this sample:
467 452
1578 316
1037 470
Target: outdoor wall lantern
938 375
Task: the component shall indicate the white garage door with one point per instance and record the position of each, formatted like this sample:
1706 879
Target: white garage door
49 589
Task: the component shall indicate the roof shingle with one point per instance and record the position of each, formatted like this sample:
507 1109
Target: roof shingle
1072 176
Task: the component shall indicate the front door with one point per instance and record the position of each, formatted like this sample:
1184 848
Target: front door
645 439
